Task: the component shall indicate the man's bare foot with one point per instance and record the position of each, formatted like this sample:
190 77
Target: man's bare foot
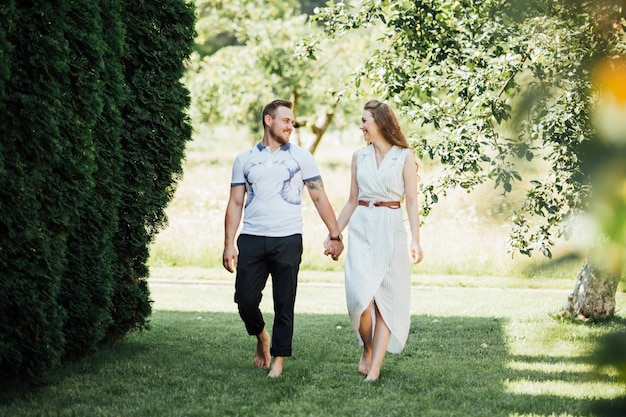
262 356
277 367
365 362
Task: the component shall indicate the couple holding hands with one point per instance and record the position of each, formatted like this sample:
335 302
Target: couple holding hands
266 189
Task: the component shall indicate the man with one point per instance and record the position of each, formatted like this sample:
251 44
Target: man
272 174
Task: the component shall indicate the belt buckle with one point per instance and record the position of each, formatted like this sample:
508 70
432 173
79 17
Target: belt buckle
371 204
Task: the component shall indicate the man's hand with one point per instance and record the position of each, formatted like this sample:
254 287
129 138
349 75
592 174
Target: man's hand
333 248
230 257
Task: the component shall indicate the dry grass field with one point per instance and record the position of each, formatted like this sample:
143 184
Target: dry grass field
464 235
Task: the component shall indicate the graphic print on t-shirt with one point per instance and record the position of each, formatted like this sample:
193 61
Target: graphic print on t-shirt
268 178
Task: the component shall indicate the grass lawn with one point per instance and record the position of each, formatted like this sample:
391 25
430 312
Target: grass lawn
471 352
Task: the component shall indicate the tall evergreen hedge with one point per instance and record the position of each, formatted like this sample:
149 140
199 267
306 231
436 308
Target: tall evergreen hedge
37 200
159 36
98 92
93 133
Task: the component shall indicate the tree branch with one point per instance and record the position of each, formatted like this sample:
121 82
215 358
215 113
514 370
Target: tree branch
519 68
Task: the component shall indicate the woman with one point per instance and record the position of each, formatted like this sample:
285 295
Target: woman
377 269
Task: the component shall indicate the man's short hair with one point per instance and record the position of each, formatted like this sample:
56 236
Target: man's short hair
271 107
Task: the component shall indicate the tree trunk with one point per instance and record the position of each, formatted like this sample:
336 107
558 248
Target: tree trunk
320 130
594 293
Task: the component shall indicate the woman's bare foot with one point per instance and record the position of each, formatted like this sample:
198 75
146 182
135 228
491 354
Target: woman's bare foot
262 356
365 362
372 376
277 367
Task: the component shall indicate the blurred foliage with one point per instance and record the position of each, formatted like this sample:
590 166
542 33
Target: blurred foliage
605 157
268 58
605 161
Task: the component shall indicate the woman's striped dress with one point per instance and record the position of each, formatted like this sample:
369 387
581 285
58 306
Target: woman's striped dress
377 264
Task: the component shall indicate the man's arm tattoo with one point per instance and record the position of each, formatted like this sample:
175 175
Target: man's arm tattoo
315 184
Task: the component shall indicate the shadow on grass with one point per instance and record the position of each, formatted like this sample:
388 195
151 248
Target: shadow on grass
559 266
200 364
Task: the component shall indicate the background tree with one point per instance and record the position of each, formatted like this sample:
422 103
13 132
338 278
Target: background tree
264 59
495 84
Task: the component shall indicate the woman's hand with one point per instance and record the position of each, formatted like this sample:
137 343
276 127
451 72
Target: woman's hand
333 248
416 252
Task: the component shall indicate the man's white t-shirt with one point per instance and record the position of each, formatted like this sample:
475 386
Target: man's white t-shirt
274 183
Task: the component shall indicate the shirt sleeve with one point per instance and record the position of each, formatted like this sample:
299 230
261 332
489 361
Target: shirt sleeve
238 176
310 170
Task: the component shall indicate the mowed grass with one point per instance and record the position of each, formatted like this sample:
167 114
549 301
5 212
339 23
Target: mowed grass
471 352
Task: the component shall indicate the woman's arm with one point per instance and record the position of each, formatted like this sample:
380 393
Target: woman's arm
353 197
412 206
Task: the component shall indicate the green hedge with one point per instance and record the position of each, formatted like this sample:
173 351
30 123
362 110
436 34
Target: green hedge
97 92
159 36
92 114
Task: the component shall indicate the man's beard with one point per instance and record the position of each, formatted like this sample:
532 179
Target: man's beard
278 138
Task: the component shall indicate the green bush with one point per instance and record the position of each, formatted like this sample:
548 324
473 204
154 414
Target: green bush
38 203
97 91
159 37
94 129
